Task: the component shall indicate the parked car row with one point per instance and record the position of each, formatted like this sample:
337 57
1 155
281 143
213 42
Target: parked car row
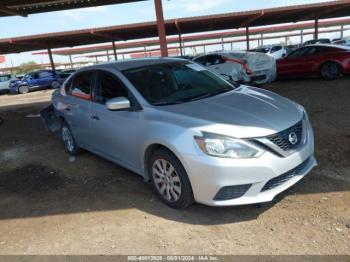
255 68
36 80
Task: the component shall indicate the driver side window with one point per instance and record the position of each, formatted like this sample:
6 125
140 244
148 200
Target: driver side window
298 53
108 87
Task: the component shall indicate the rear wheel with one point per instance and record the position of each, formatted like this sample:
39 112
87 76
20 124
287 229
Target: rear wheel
23 89
68 140
169 180
330 71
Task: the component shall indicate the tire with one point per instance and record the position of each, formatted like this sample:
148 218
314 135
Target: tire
172 187
55 84
330 71
23 89
68 140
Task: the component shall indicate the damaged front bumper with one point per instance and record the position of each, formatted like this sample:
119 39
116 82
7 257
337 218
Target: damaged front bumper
51 121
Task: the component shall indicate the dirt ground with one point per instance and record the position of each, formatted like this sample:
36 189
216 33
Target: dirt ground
53 204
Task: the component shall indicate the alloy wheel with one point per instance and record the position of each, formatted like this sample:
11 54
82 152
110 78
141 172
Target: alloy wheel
67 138
166 180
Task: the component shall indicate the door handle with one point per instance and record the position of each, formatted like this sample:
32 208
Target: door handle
95 117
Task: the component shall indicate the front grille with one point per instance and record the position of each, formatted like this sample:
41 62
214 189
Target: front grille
232 192
281 139
275 182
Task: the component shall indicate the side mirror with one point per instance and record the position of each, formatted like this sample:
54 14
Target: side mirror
118 103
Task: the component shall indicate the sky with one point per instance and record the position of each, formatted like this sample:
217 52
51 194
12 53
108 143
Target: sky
121 14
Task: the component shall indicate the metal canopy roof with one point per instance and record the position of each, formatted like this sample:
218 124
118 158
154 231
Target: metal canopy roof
201 37
26 7
263 17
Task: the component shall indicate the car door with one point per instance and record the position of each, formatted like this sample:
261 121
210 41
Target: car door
115 133
77 106
314 57
45 78
293 64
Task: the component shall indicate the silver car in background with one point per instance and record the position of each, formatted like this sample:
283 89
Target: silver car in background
195 136
244 67
5 81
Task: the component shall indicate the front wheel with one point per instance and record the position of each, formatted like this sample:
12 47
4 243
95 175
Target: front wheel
169 180
330 71
23 89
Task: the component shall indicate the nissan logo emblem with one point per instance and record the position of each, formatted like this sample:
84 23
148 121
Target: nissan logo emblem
293 138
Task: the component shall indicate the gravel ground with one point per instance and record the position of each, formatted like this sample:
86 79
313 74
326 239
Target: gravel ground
53 204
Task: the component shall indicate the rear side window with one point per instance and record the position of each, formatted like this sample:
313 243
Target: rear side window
275 48
5 78
44 74
82 85
201 60
108 87
214 60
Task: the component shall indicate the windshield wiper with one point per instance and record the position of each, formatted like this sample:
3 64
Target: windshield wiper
210 94
167 103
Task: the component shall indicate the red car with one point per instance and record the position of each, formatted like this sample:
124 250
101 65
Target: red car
327 61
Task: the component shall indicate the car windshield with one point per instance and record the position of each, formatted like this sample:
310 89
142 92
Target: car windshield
177 82
262 50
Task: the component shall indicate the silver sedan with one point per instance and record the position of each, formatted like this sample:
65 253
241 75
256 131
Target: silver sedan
195 136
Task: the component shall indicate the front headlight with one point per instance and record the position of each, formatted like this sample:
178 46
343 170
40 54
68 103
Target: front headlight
228 147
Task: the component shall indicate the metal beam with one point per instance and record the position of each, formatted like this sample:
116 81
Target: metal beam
316 29
71 61
180 36
51 59
8 11
247 37
114 51
161 28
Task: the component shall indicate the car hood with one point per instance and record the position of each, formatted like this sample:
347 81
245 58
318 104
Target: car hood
243 112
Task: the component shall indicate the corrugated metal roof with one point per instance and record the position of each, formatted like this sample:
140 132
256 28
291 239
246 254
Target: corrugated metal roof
26 7
226 21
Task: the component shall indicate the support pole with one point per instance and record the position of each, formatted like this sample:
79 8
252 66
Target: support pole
107 55
161 28
180 42
262 39
316 29
341 31
222 44
71 61
145 51
51 59
247 37
231 46
114 51
301 36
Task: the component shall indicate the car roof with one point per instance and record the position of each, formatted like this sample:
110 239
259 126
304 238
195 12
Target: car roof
345 48
135 63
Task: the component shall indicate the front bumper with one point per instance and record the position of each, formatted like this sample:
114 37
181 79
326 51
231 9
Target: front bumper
210 174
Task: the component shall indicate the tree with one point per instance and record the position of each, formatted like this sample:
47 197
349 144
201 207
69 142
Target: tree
27 67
